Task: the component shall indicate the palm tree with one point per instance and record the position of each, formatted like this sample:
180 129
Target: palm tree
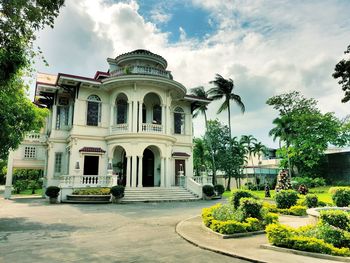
283 130
202 109
258 149
223 88
248 141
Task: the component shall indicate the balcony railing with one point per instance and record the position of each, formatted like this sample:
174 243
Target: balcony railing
143 70
86 180
150 127
35 137
119 128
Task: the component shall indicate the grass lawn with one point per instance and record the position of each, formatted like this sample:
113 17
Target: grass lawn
321 192
29 192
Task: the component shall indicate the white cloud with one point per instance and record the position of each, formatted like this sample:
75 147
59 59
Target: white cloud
266 47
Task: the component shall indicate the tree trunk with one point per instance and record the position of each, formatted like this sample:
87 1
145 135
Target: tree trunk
228 187
229 118
211 151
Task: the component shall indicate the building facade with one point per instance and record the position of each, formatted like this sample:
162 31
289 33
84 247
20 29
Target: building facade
131 125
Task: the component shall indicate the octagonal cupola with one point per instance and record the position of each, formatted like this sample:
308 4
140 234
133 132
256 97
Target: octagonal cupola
139 61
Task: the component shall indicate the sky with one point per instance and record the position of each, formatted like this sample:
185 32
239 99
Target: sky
266 47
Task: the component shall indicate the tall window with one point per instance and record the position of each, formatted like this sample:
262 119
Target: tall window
179 121
93 110
62 117
122 111
30 152
157 114
58 162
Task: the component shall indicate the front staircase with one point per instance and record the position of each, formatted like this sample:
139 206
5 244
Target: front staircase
157 194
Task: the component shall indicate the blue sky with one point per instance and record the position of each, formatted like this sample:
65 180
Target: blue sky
267 47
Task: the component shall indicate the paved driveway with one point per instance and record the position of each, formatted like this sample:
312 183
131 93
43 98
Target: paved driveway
31 230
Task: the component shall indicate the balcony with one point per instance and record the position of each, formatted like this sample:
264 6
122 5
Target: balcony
142 70
152 128
120 128
87 181
35 137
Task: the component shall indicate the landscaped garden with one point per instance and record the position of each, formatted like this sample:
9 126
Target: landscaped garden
249 211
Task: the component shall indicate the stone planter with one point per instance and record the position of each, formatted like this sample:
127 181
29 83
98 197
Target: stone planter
53 200
205 197
117 200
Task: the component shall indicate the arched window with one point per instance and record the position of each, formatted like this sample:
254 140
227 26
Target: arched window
122 111
93 117
179 121
157 114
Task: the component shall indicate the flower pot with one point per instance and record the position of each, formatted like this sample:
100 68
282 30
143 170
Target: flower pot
53 200
117 200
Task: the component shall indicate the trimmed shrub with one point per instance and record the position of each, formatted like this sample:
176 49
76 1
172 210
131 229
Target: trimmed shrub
270 218
92 191
117 191
311 200
303 190
279 235
208 190
52 191
336 218
219 189
238 194
341 196
250 207
286 198
333 235
297 210
224 212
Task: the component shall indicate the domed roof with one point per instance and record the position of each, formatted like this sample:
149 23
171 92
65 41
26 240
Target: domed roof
142 54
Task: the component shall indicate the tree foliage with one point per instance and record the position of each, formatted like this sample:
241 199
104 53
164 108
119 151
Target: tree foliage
19 21
223 89
305 131
342 71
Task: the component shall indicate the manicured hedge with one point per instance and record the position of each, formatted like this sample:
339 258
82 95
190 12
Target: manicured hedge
296 210
92 191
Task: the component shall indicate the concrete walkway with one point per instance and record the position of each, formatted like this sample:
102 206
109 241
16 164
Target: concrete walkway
31 230
247 248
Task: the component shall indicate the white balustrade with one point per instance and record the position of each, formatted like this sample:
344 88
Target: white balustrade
192 186
120 128
35 137
86 180
144 70
150 127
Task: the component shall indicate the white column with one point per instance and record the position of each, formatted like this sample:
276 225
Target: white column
133 180
162 172
128 169
129 116
54 117
139 184
169 120
186 168
111 122
163 118
140 115
134 116
169 172
8 186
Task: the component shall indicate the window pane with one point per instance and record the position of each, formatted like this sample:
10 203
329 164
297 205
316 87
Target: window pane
122 110
58 162
157 114
179 123
93 113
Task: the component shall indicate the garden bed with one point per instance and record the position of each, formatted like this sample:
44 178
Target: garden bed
236 235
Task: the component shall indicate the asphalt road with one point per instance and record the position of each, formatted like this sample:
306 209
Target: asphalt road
31 230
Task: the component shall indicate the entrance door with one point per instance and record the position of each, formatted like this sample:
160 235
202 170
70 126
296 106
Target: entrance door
148 168
91 165
179 166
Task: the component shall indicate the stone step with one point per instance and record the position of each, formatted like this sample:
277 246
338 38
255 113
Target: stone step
85 202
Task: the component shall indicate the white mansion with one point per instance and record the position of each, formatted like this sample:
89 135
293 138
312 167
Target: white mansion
131 125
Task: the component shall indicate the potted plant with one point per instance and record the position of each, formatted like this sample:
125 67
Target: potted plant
117 193
208 192
219 189
52 192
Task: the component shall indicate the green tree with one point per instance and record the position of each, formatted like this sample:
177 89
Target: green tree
19 21
199 155
342 71
258 149
223 88
202 109
305 130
